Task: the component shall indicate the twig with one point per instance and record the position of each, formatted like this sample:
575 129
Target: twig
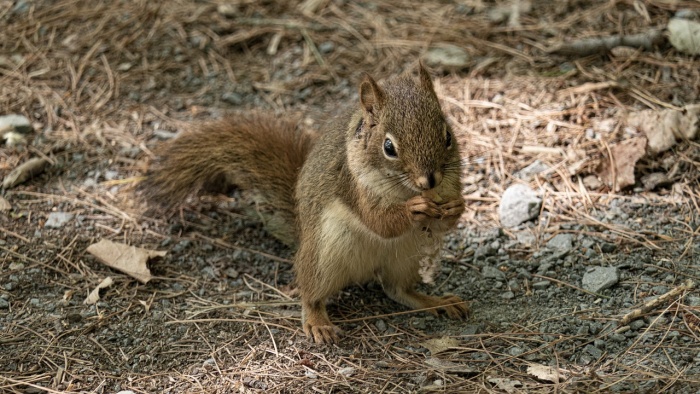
676 291
590 46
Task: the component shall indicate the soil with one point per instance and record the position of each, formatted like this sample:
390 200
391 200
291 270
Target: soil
104 84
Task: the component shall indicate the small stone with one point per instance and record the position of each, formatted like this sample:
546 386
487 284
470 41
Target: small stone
4 304
382 364
515 351
519 204
182 245
209 272
446 55
490 272
326 47
637 324
617 338
593 351
531 170
310 374
541 285
232 98
508 295
598 279
347 371
16 123
231 273
582 330
561 242
608 247
58 219
381 325
227 10
164 134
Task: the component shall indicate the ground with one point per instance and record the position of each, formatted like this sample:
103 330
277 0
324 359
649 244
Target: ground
104 83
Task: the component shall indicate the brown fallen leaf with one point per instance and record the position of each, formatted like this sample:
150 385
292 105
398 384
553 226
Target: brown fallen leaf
663 128
127 259
24 172
94 295
438 345
4 204
449 366
543 372
625 156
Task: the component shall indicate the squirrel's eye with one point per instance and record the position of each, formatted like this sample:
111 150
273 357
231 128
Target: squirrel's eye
389 148
448 138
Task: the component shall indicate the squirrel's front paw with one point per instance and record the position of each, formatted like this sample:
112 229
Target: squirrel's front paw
453 208
423 209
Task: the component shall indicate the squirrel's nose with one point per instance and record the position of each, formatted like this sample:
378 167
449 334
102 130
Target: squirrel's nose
429 180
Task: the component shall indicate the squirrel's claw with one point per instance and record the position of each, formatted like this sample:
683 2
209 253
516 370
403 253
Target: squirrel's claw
323 334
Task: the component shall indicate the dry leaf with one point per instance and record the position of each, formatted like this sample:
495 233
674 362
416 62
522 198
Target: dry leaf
507 385
24 172
543 372
127 259
625 156
94 295
4 204
448 366
439 345
664 128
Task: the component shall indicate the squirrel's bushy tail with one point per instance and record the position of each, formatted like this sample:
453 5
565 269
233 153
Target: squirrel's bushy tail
259 154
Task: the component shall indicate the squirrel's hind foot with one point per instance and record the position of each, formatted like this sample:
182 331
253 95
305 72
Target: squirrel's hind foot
318 326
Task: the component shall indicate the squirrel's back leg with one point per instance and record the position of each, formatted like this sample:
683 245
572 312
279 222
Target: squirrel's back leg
315 289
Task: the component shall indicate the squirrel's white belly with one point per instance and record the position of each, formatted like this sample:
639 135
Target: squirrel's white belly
347 245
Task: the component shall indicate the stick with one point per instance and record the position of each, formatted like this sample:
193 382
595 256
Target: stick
590 46
637 313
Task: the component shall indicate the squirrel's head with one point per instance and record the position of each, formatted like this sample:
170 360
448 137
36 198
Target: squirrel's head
402 142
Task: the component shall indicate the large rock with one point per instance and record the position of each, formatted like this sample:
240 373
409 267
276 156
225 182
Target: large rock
518 205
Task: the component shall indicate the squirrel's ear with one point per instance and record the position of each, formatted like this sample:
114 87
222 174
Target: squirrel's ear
371 95
425 80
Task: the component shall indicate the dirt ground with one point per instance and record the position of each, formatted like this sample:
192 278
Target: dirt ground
104 83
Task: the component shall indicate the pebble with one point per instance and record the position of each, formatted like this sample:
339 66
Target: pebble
561 242
519 204
593 351
608 247
637 324
182 245
58 219
231 273
4 304
164 134
490 272
347 371
381 325
232 98
326 47
18 123
541 285
531 170
209 272
597 279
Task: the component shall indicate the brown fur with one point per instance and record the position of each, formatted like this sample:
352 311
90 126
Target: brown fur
254 152
361 214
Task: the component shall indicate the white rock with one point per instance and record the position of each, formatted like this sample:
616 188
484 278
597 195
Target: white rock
58 219
16 123
518 205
